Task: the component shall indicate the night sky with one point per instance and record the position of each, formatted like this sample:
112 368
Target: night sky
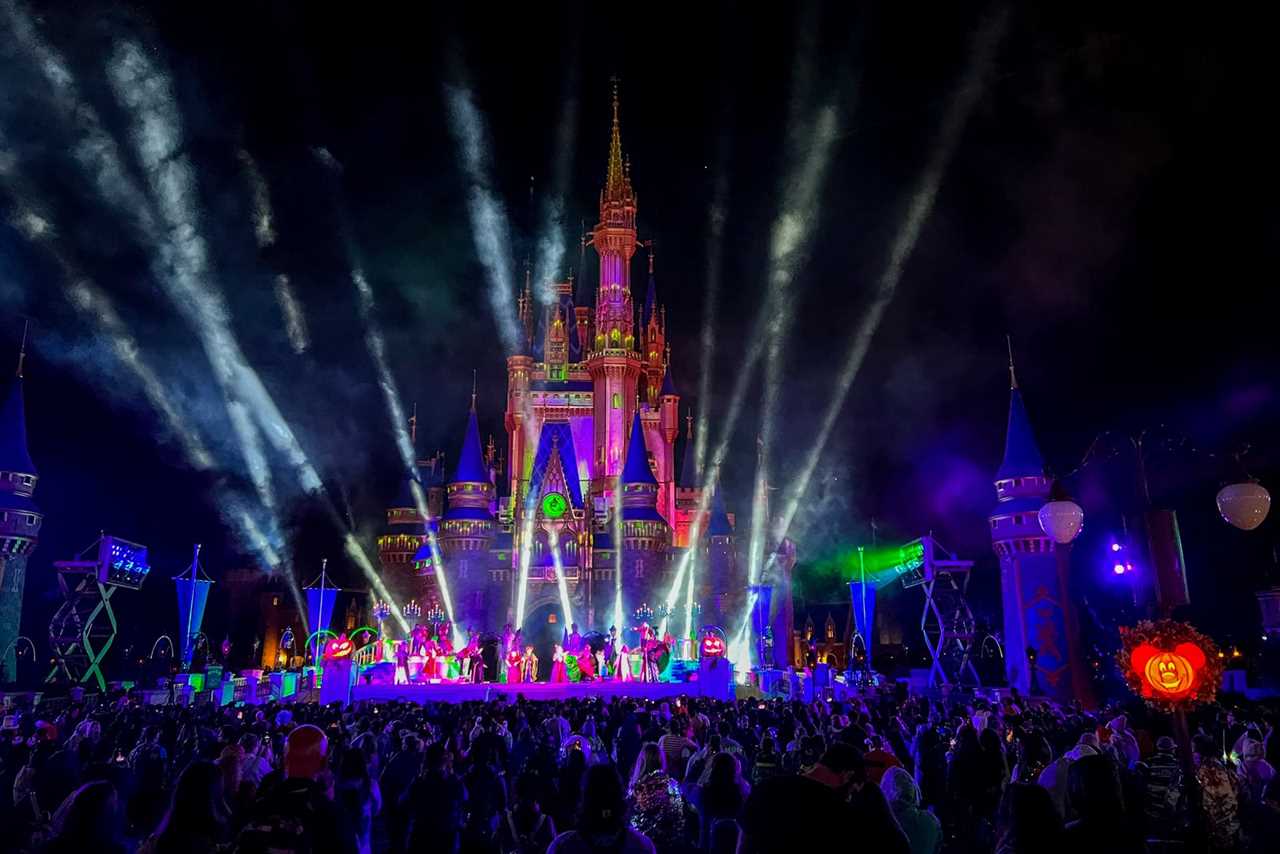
1108 202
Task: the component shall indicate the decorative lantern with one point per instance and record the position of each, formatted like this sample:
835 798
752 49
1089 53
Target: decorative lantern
1170 664
1061 520
1244 505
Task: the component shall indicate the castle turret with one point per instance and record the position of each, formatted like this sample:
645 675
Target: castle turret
722 559
468 527
646 537
688 491
20 519
1041 641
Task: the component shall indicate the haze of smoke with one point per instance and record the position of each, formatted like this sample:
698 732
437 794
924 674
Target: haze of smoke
551 245
97 308
264 231
970 91
489 226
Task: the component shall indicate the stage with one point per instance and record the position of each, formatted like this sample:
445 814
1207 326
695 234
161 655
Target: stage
461 692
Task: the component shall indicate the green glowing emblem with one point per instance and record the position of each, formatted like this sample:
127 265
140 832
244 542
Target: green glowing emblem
554 505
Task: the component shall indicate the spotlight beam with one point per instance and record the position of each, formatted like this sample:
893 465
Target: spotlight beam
489 226
969 92
553 540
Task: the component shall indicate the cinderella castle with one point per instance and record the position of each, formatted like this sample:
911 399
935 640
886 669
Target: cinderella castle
588 478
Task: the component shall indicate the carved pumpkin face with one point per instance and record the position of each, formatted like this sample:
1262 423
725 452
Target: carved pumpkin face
712 646
1168 675
339 647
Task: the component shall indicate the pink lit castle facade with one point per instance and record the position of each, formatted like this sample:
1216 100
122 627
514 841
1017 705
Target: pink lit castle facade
589 470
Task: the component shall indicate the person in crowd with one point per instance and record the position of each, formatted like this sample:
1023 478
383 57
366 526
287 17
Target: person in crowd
436 804
878 759
603 827
768 762
656 802
1254 770
1027 822
296 813
357 793
1096 799
677 747
721 797
393 784
87 820
1219 794
923 830
197 820
525 829
1163 800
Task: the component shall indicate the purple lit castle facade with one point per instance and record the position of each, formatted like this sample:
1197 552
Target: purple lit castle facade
593 421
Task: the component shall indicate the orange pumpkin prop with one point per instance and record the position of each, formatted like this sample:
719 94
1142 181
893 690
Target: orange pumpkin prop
712 646
339 647
1173 675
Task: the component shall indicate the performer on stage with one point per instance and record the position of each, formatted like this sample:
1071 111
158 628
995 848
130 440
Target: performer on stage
477 665
622 665
598 660
528 665
575 641
402 662
610 653
513 664
648 662
559 673
432 668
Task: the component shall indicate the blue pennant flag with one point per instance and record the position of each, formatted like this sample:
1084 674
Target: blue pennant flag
192 596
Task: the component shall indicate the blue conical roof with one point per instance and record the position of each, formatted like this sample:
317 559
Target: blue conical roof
718 525
668 386
471 462
637 468
14 456
688 467
1021 454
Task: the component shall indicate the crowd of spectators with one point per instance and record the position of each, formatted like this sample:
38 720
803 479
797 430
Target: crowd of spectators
887 773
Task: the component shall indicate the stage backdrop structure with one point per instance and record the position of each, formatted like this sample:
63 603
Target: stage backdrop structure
193 594
84 626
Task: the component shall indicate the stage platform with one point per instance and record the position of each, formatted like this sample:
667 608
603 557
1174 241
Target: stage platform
448 692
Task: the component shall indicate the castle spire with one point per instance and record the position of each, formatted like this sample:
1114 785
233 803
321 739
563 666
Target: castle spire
473 391
1013 377
22 350
615 178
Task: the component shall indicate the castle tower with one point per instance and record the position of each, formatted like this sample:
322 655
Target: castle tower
19 517
614 364
722 563
1038 614
467 528
646 537
688 492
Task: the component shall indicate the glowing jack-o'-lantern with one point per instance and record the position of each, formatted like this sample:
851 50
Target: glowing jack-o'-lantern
339 647
712 646
1168 674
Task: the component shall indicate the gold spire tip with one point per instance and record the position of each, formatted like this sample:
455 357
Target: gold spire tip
22 348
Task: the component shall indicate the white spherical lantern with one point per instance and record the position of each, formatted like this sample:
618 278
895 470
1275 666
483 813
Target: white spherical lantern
1244 505
1062 520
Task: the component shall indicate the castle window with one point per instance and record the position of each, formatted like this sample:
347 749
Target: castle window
617 400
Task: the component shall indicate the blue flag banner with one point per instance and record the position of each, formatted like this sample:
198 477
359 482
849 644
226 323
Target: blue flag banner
320 607
192 596
862 597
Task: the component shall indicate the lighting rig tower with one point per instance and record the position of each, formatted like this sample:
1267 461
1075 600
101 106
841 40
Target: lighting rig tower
947 621
84 626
